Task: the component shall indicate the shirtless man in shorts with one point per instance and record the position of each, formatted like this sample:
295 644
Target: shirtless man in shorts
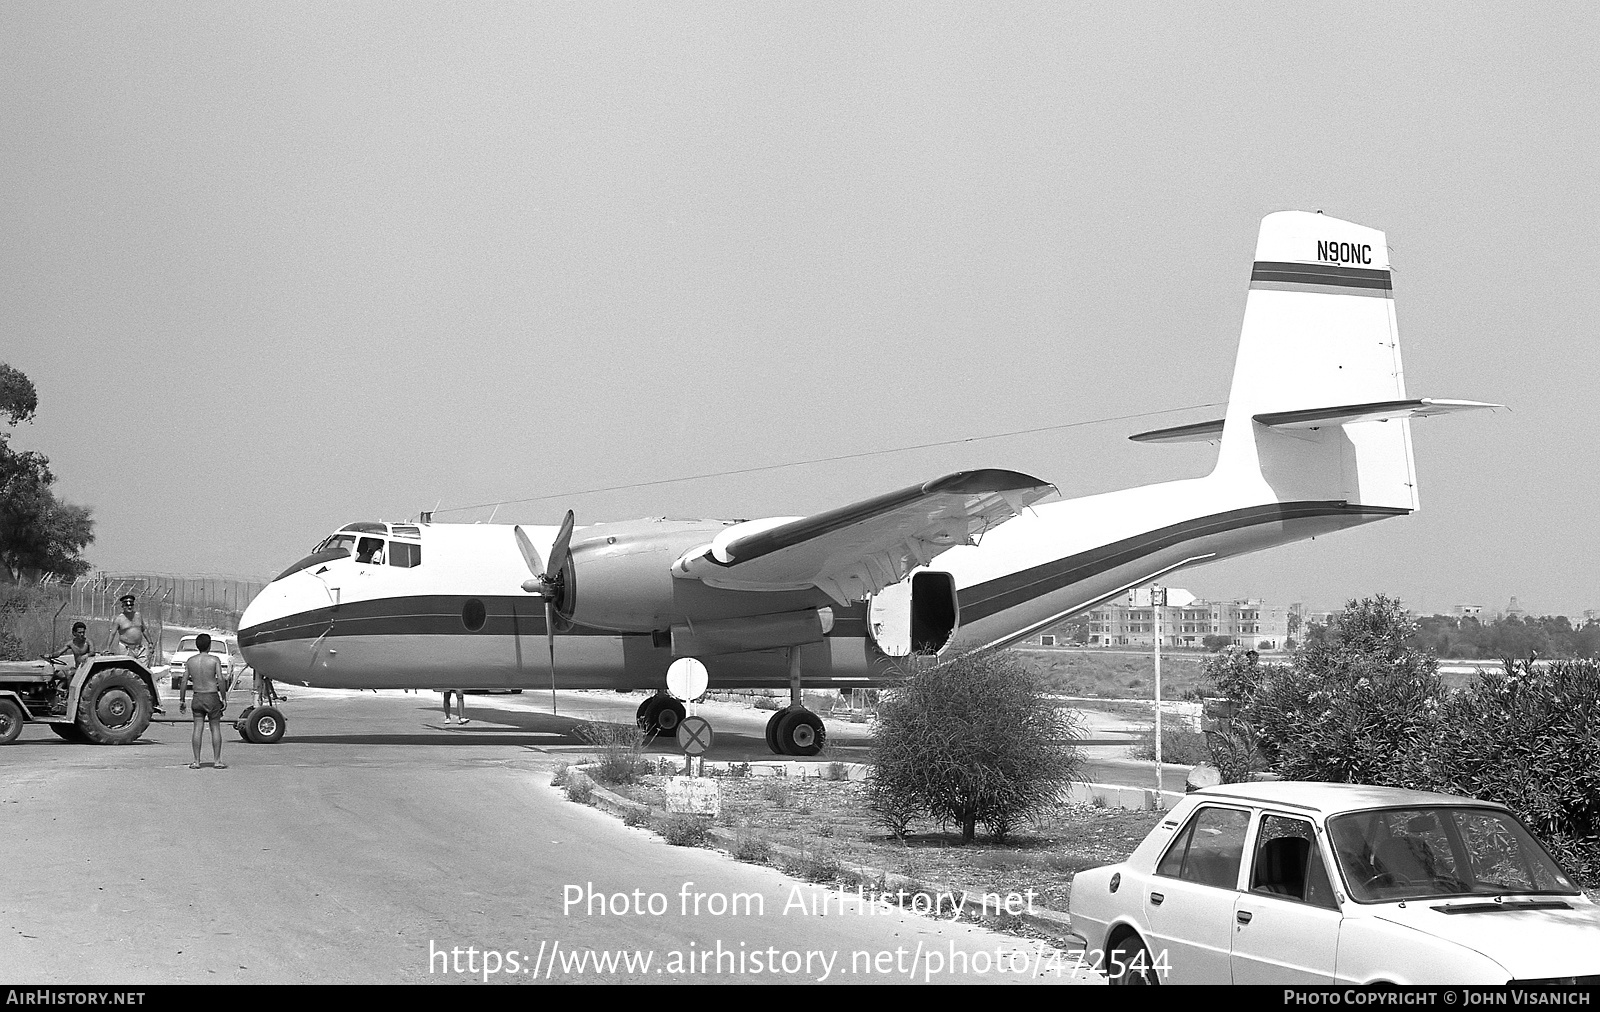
128 636
203 672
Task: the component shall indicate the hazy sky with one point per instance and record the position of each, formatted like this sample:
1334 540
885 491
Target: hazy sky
277 267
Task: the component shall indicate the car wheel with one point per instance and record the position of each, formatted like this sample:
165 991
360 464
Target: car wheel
1128 963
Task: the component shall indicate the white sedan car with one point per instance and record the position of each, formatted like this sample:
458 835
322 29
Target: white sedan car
221 648
1283 883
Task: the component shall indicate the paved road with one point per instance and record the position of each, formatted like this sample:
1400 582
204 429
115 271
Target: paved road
376 845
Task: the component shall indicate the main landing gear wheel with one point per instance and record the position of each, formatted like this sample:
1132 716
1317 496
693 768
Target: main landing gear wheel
661 715
772 730
799 733
262 725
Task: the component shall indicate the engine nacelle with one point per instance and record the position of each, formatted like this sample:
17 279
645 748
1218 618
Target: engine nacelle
623 581
918 615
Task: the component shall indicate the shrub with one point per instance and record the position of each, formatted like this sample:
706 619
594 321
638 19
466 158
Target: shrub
682 830
1529 738
559 778
636 816
838 771
1178 745
1357 696
579 789
778 792
813 866
971 740
619 747
752 849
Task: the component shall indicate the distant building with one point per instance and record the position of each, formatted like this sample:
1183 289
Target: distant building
1467 610
1251 623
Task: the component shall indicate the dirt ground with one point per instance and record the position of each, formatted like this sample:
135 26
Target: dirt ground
829 821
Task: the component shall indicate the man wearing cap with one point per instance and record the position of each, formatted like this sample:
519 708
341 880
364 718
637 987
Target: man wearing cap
128 636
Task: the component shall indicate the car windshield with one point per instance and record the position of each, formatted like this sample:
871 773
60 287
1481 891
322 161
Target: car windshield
1422 853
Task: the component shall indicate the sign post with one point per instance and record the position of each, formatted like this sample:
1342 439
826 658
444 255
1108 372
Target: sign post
1158 601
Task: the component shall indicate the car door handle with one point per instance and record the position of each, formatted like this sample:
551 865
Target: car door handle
1156 898
1243 916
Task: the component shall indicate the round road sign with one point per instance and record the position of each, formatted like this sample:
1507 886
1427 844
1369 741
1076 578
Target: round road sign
695 736
687 679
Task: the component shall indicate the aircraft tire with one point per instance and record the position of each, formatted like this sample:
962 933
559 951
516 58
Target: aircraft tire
114 707
772 731
668 716
801 733
643 716
242 725
265 725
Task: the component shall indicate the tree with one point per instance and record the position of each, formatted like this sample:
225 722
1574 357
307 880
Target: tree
39 533
972 740
1358 694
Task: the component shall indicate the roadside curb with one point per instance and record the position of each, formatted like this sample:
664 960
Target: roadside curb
1054 923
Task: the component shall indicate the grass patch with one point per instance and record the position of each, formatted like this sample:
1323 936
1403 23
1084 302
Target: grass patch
580 790
683 830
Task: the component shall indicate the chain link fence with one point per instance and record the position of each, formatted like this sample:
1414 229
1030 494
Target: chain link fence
204 602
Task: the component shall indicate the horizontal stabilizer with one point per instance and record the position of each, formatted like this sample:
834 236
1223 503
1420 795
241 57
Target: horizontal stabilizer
1316 418
1377 411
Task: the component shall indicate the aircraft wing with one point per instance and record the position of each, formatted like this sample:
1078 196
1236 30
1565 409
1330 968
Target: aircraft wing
859 549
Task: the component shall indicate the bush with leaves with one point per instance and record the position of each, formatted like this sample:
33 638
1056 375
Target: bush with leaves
619 746
970 741
1358 695
1529 738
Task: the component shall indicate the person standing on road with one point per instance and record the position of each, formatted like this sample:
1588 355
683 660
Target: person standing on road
128 636
461 704
203 672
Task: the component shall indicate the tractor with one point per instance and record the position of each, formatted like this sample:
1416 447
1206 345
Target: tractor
108 700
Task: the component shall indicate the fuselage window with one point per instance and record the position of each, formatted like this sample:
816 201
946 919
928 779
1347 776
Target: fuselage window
473 614
370 551
404 554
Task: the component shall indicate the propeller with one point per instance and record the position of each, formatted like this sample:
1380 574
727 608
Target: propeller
548 584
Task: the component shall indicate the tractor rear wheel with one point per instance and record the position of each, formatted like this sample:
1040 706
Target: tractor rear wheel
114 707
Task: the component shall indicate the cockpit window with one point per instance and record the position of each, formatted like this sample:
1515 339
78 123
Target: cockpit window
370 550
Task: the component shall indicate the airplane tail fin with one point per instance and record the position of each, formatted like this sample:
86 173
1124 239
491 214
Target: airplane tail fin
1319 333
1318 411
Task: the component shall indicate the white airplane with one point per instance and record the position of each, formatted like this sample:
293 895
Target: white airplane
1316 439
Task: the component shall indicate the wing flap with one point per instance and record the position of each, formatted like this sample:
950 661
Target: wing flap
861 548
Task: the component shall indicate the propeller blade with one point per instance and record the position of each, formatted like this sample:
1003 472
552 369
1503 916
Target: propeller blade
550 636
529 556
561 548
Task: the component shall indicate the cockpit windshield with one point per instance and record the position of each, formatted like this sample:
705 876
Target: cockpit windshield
339 541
